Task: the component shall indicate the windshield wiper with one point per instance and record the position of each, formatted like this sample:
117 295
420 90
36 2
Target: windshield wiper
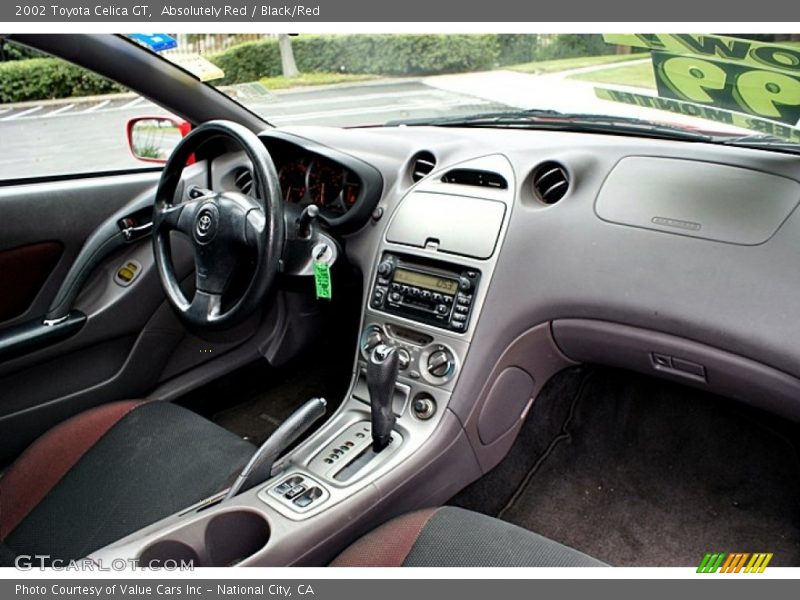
554 120
477 118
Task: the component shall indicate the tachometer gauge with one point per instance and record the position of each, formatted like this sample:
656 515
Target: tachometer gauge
324 182
351 191
293 181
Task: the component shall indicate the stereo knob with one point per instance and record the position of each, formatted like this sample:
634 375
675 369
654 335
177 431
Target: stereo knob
440 363
385 268
464 284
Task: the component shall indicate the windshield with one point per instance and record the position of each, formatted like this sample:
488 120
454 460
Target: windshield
744 87
57 118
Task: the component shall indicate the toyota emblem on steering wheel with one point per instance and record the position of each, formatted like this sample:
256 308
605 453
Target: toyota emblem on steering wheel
204 224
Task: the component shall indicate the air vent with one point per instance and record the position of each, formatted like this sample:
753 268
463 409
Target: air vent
243 179
422 164
550 182
476 178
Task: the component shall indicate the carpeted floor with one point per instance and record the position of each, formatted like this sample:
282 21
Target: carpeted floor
254 400
640 472
257 417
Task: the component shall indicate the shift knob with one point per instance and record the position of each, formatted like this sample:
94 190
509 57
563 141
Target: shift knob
381 377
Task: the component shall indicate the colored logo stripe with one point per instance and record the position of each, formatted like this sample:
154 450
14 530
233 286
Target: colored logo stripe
758 563
734 562
710 563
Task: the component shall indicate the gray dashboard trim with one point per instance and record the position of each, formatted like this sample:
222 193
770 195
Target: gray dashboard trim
654 353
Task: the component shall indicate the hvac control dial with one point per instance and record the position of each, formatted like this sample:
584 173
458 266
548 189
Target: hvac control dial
373 336
440 363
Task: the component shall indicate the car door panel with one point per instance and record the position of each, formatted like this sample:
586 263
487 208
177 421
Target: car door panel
23 271
130 333
65 212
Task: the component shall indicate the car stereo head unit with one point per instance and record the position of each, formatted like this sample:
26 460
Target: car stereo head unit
431 292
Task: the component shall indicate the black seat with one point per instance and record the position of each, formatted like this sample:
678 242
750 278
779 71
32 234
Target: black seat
110 471
454 537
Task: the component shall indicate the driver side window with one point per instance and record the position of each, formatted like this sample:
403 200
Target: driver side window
59 119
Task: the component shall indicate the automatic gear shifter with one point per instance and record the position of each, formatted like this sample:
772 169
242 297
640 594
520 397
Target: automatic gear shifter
381 377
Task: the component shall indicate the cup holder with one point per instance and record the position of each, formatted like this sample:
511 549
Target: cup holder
229 538
169 553
233 536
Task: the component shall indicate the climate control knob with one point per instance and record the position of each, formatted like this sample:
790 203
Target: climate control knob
372 337
403 358
440 363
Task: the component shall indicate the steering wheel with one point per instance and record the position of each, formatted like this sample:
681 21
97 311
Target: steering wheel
219 224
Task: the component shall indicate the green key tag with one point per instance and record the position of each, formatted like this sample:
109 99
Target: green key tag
322 280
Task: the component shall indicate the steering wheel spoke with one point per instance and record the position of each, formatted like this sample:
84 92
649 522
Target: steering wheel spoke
254 224
215 264
205 307
179 217
244 221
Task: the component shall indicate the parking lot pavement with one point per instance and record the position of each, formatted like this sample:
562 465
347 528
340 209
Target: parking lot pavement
68 107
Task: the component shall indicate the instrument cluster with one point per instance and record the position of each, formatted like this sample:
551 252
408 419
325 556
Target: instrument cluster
311 179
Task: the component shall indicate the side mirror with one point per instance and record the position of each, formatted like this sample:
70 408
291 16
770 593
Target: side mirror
152 139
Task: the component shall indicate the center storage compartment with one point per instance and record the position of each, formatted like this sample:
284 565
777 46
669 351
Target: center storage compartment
457 224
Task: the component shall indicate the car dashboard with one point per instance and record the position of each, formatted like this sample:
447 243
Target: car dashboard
493 259
652 234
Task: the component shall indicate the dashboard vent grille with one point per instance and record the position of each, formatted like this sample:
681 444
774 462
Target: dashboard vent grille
243 179
550 182
476 178
422 165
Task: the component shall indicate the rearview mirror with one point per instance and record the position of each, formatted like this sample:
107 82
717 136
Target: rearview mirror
152 139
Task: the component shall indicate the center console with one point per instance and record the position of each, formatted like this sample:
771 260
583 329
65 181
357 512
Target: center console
424 292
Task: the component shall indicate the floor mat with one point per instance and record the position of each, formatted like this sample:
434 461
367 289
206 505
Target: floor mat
647 473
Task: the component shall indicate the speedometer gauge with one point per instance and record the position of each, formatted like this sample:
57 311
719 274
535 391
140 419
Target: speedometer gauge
324 182
293 181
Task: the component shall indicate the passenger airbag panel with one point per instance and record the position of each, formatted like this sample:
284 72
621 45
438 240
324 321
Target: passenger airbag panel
698 199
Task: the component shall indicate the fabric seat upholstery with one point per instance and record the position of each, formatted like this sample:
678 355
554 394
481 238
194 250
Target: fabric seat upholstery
454 537
110 471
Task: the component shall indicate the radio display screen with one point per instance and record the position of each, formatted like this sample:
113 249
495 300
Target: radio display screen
438 284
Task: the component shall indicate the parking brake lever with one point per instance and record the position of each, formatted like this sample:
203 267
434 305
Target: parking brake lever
259 468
